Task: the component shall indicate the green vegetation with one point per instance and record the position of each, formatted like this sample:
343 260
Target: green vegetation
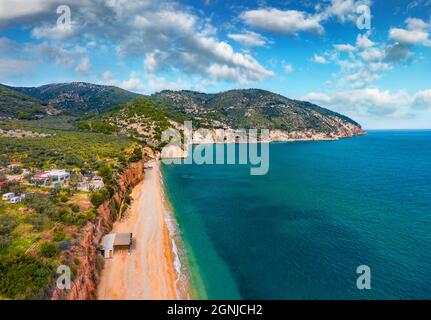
78 97
49 250
136 155
102 129
7 224
246 109
23 276
65 149
98 126
35 232
141 113
17 105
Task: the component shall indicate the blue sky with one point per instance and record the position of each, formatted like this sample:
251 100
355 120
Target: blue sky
310 50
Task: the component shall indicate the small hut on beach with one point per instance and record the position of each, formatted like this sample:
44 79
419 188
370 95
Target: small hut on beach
114 241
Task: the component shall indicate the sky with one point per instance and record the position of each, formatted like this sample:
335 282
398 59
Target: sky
367 59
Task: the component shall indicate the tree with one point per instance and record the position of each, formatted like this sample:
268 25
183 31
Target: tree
7 224
24 116
49 250
97 198
22 276
136 155
106 173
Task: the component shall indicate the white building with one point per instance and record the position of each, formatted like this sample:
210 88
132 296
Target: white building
58 175
115 241
15 200
8 196
55 176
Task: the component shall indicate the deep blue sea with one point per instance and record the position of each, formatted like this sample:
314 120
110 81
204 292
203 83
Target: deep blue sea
301 231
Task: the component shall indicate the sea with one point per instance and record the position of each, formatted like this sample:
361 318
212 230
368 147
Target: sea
325 212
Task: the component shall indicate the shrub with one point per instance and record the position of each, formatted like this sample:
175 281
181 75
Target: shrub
136 155
42 205
106 173
59 236
7 224
49 250
97 198
74 207
22 276
24 116
66 217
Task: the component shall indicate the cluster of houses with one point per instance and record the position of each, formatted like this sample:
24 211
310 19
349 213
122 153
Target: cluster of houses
12 198
53 178
50 178
91 184
56 178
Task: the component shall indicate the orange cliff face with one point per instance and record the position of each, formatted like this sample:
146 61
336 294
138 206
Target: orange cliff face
85 278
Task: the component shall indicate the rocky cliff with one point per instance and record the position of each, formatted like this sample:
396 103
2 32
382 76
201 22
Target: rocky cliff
85 255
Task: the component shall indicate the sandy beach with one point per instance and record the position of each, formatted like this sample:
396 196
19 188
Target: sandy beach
148 271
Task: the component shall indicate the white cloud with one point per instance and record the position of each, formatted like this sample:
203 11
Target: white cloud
150 83
372 101
372 54
8 47
219 60
15 9
151 62
134 83
422 100
320 59
363 43
157 84
45 53
409 37
283 22
417 24
106 76
52 32
165 21
344 10
288 68
417 33
249 38
14 67
366 61
344 47
167 34
84 66
292 22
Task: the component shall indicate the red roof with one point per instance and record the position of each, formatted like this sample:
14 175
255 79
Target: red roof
40 175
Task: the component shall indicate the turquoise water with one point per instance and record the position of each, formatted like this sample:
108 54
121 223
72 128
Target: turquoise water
323 209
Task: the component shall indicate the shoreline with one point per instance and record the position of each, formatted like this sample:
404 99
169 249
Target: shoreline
180 258
189 271
150 271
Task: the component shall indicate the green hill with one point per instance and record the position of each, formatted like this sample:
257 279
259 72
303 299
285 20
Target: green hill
17 105
79 97
252 108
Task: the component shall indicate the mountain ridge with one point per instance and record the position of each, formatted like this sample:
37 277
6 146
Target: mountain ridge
78 97
118 110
